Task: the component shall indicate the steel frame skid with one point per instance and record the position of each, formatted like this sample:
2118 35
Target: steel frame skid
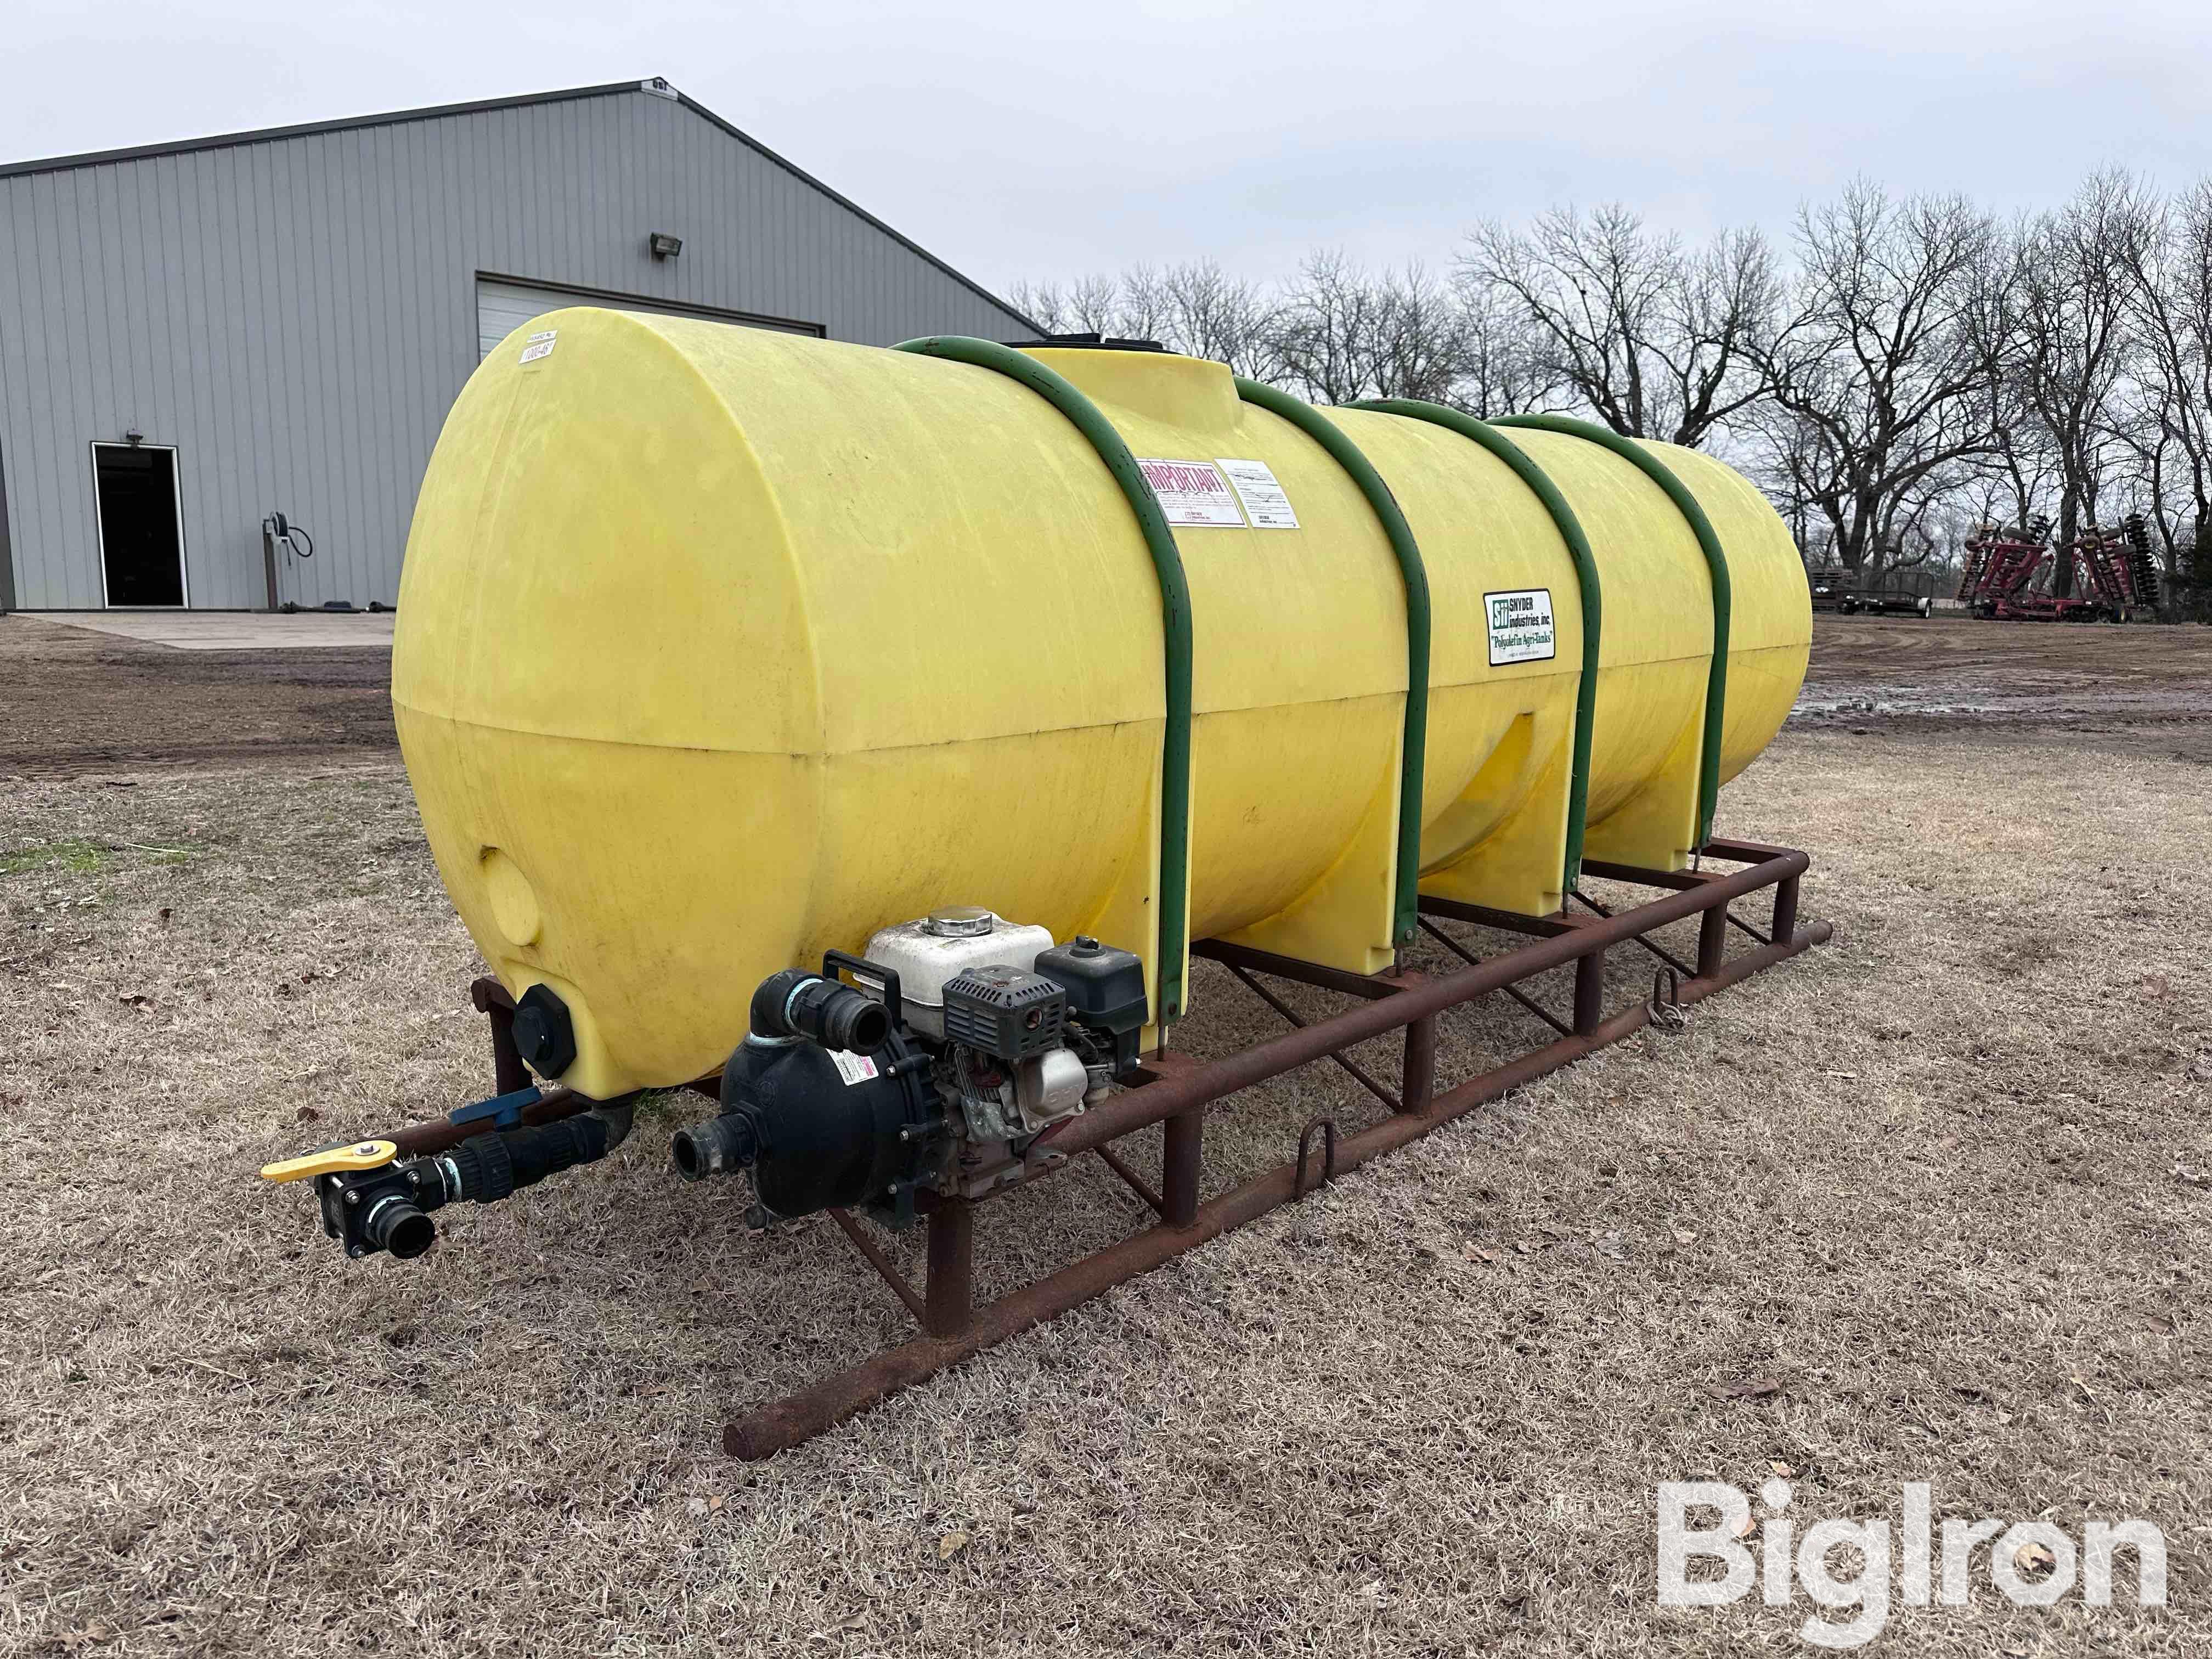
1174 1092
1177 1091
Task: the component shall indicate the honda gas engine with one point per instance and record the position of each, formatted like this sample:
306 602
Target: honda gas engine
962 1040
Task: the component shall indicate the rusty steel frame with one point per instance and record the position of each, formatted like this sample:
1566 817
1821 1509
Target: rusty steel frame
1175 1090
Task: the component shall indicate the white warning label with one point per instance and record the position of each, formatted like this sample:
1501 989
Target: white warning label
1521 628
1193 493
539 344
1265 502
854 1068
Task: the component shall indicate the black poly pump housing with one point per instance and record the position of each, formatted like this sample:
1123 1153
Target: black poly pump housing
825 1101
815 1137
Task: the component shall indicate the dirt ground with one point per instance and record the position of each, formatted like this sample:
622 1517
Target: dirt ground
2147 688
1933 1203
73 702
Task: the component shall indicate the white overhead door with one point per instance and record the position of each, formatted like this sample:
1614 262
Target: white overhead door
502 307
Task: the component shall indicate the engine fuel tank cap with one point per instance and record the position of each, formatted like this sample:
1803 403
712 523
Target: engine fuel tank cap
960 922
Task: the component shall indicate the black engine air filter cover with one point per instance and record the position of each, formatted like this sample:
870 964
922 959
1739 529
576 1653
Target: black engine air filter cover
1003 1011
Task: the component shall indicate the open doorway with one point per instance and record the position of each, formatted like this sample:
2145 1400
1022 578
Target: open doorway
141 535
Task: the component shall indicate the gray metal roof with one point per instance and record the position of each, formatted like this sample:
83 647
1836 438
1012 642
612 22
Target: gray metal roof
655 85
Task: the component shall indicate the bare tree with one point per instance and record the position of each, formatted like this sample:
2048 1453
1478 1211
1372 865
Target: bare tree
1140 308
1657 342
2075 306
1089 305
2169 424
1880 379
1503 368
1206 313
1195 309
1730 299
1342 334
1322 328
1914 370
1803 476
2017 481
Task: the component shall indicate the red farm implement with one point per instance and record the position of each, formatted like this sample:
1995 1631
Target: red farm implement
2011 573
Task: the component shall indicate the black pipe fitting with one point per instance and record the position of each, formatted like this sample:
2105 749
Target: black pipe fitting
488 1168
799 1004
717 1146
396 1222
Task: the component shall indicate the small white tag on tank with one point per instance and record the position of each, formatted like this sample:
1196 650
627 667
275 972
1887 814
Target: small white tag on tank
540 345
1267 503
1521 628
1192 493
854 1068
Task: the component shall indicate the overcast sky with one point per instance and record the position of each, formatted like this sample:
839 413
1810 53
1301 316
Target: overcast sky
1042 141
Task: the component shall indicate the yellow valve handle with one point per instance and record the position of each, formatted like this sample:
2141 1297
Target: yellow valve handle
354 1155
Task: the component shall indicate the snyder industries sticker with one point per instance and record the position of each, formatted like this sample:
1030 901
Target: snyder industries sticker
1193 493
539 345
854 1068
1264 499
1520 626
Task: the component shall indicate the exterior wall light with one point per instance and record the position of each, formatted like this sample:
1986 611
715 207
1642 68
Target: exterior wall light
664 245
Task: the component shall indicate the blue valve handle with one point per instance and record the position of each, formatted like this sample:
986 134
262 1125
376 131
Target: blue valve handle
504 1111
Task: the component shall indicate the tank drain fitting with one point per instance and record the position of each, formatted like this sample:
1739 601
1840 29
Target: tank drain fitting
545 1035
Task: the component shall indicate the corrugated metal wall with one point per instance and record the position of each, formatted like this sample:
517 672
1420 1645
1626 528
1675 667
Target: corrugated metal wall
295 315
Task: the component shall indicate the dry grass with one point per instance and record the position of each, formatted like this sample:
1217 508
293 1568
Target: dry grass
1942 1182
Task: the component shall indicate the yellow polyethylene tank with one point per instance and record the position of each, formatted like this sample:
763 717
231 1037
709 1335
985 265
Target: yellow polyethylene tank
1298 667
718 648
1771 639
1500 736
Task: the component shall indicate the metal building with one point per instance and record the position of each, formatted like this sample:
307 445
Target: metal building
195 336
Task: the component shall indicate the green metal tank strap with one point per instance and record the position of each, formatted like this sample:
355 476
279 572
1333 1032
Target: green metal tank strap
1174 910
1586 578
1405 905
1709 544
